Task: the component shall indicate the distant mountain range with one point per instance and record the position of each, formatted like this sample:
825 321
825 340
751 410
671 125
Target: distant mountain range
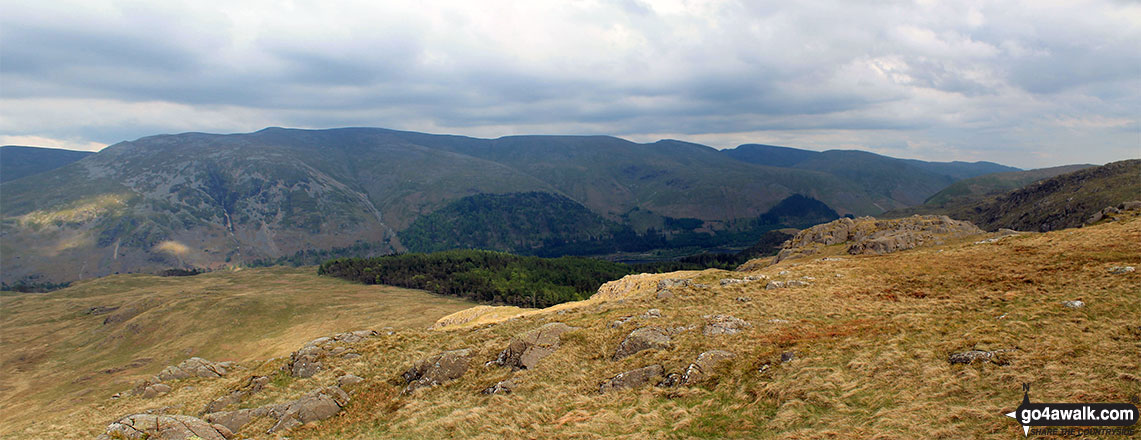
206 200
18 161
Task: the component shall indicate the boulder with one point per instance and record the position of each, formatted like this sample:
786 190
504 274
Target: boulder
526 350
251 386
702 368
645 338
155 390
193 367
437 369
972 356
501 387
1075 304
632 378
163 427
1119 270
723 325
349 379
306 361
319 404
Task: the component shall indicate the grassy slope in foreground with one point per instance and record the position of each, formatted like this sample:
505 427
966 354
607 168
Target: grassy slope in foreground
871 353
59 357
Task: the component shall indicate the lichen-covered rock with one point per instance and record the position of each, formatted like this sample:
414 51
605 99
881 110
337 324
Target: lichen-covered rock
526 350
702 368
723 325
632 378
155 390
306 361
437 369
162 427
645 338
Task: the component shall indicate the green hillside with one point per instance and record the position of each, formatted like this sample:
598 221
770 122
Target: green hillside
18 161
1064 201
211 201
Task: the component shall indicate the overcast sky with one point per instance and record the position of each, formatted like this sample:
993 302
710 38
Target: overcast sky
1026 83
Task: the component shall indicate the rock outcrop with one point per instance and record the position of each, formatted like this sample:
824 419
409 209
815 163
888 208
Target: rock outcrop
723 325
319 404
525 351
703 367
164 427
632 378
248 388
306 361
437 369
645 338
869 236
193 367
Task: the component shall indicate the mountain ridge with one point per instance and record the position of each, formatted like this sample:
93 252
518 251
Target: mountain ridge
212 200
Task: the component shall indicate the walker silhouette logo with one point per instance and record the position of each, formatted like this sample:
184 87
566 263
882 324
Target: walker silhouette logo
1074 414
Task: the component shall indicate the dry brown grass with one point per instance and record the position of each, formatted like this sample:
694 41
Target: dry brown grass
59 361
871 347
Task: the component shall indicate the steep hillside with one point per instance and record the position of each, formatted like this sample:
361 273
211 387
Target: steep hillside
517 222
68 351
859 346
1065 201
18 161
975 189
205 200
897 182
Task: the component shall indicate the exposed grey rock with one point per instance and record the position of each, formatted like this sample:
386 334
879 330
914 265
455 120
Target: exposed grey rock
743 299
670 283
349 379
702 368
306 361
652 313
1075 304
972 356
161 427
645 338
501 387
632 378
437 369
193 367
526 350
317 405
251 386
728 281
1118 270
671 380
775 285
871 236
665 294
723 325
787 356
155 390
